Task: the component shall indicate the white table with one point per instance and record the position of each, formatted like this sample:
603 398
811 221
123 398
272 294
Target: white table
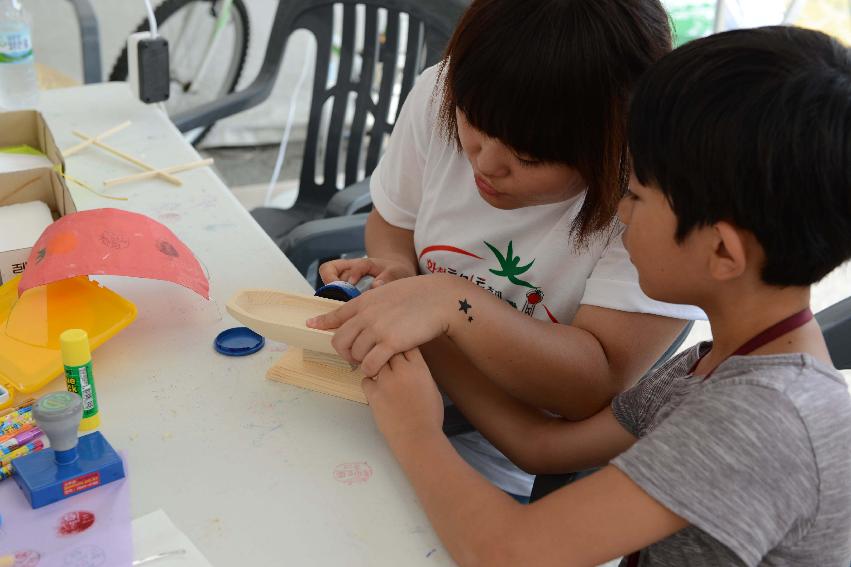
245 466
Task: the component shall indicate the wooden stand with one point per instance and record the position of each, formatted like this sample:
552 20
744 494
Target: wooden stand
302 368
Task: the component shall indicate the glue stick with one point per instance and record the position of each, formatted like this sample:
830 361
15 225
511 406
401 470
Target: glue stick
77 358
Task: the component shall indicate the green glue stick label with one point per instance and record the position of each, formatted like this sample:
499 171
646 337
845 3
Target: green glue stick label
81 381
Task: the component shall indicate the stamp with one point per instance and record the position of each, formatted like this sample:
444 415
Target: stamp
85 556
353 473
28 558
75 523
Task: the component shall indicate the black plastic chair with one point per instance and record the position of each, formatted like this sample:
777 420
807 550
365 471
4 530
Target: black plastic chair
89 40
430 25
835 323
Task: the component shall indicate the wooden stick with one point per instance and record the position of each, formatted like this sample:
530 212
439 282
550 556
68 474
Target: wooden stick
170 178
100 137
149 174
88 188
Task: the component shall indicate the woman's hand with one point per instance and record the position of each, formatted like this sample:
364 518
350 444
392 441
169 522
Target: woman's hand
384 271
404 399
393 319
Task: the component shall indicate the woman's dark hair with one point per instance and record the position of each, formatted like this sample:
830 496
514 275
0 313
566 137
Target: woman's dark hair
753 127
552 80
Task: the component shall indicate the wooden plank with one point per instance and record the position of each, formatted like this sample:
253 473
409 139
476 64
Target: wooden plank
332 360
342 383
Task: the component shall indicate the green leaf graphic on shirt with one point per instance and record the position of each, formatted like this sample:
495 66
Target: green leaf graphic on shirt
509 265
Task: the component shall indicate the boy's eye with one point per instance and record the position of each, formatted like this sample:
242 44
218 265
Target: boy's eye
631 196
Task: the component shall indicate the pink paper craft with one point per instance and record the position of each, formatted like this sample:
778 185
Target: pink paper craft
112 242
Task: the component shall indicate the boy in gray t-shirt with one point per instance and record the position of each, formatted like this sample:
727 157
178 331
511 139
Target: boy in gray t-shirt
736 452
756 459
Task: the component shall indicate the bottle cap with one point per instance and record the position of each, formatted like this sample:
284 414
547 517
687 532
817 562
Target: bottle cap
340 291
239 341
74 344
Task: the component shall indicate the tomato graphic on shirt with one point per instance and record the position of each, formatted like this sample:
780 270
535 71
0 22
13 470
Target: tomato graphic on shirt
533 298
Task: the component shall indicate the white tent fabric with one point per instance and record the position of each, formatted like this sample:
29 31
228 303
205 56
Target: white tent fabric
57 44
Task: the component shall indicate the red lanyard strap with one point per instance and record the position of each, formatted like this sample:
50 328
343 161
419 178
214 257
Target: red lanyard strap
775 331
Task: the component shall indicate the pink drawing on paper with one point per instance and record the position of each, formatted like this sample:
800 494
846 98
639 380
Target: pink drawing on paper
28 558
167 249
353 473
113 240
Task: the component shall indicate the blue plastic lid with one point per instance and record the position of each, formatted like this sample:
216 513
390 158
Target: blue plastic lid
239 341
341 291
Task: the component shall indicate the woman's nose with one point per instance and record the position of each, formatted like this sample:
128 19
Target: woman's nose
491 160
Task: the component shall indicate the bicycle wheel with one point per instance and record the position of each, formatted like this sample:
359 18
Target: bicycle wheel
190 28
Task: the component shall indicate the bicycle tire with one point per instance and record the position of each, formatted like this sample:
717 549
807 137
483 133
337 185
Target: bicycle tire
166 10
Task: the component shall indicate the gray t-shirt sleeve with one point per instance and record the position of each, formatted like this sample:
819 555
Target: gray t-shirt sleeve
735 462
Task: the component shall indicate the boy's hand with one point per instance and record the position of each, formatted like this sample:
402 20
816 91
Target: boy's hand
391 319
384 271
404 399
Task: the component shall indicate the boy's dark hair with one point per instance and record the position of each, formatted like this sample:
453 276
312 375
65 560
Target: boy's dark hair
552 79
753 127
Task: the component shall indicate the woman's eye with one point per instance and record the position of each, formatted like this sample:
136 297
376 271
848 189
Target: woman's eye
528 162
631 196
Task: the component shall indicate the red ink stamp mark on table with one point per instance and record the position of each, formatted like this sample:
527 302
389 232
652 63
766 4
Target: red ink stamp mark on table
75 522
169 217
353 473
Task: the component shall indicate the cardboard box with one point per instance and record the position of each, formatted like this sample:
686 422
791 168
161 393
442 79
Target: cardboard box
43 184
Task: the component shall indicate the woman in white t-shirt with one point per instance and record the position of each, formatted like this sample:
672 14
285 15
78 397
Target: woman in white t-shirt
505 169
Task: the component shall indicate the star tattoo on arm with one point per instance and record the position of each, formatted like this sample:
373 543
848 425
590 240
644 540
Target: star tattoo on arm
465 307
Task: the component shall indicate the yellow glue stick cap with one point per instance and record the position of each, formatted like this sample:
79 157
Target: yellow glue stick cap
74 344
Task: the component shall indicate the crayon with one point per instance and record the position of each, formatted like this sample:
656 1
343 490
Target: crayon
7 427
17 416
17 412
32 447
19 440
26 403
15 432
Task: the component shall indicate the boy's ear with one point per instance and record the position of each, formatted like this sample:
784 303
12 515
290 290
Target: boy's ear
728 259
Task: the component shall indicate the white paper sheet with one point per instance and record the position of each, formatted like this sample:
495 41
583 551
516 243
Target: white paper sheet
155 533
22 224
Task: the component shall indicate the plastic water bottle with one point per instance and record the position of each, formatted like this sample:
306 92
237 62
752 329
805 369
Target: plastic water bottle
18 84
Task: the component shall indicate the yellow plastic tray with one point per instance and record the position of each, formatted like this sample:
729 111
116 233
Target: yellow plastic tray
30 327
